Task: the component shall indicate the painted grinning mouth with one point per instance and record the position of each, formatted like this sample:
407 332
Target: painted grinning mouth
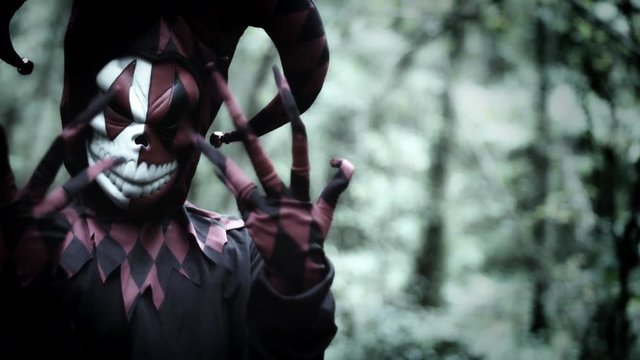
135 180
142 180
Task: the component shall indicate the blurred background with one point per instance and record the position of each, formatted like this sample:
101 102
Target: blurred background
494 210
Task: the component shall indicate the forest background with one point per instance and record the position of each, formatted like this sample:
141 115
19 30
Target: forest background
494 211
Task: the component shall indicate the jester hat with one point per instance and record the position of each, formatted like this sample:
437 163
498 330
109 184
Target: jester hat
201 35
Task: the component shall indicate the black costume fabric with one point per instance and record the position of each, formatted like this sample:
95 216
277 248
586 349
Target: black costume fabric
216 302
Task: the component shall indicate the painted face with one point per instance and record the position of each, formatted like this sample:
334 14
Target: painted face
151 108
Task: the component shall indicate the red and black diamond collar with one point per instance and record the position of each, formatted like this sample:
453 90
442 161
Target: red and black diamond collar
145 253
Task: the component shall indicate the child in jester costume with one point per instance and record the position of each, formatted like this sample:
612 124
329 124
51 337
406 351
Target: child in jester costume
116 263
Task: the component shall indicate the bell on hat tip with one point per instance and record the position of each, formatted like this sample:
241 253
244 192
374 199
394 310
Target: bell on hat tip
216 139
26 67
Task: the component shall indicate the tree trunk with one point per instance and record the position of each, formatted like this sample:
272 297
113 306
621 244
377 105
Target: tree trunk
540 162
430 263
431 258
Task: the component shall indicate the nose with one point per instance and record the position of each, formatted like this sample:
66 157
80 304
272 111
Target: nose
141 140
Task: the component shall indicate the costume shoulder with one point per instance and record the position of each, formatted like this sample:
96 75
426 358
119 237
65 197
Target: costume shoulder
210 229
229 222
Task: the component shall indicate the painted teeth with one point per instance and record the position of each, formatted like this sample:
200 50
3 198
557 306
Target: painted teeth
135 180
134 190
144 173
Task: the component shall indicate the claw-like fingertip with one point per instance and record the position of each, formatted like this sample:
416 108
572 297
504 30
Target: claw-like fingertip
344 165
287 99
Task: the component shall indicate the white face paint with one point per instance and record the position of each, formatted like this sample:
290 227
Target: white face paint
133 179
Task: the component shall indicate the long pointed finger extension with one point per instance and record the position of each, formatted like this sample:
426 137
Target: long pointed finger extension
82 120
236 113
267 174
226 170
300 167
48 167
62 196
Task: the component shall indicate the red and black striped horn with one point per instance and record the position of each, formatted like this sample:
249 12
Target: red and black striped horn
297 31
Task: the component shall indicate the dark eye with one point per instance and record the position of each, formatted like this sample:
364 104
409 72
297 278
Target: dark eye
116 118
168 126
168 123
119 104
166 130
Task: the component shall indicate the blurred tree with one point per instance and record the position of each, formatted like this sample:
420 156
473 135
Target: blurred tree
539 156
430 260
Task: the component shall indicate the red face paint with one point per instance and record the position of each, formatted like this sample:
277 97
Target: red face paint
151 111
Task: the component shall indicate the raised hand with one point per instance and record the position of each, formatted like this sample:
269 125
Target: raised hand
31 224
288 229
